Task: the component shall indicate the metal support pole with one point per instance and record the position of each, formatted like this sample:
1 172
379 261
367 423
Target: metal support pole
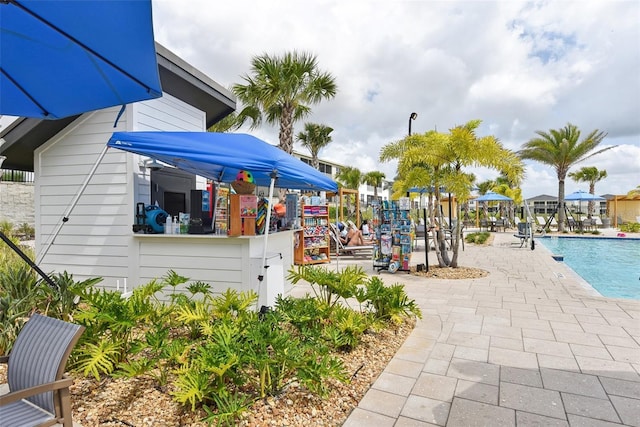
426 240
73 204
22 255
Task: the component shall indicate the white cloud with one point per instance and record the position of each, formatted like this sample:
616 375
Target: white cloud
518 66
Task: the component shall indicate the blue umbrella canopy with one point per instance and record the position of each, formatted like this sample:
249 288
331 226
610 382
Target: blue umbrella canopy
65 57
491 196
220 156
582 196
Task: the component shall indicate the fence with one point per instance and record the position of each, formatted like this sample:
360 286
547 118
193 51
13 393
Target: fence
16 176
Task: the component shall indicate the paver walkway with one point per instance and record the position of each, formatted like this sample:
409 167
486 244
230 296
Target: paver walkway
528 345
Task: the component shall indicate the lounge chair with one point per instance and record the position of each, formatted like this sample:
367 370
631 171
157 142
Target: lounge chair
343 250
419 235
597 222
38 389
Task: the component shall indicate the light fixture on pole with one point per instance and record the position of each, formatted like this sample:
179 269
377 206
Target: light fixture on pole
413 116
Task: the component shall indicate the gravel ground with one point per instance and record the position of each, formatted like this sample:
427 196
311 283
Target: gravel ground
136 402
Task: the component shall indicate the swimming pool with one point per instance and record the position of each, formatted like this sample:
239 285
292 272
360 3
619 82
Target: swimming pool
610 265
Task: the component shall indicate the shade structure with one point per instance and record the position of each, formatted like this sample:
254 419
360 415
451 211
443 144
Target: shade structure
66 57
220 156
491 196
582 196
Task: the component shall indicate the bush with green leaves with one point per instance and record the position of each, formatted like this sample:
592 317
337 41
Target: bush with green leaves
216 350
477 237
630 227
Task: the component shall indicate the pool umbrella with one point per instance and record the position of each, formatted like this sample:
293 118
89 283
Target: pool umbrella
582 196
490 196
66 57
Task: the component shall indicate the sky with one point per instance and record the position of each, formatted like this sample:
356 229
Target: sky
520 67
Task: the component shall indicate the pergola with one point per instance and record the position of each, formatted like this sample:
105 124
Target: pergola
341 193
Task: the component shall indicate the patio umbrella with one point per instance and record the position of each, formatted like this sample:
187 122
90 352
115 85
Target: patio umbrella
66 57
582 196
490 196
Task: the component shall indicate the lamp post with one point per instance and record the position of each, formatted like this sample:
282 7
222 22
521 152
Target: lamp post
413 116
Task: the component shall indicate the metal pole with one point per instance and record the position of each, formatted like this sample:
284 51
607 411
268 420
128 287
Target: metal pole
22 255
264 267
412 116
426 240
74 202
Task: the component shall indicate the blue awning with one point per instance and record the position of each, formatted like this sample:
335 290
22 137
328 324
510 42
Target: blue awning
66 57
220 156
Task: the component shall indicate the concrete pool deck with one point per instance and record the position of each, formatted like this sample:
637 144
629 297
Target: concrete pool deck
527 345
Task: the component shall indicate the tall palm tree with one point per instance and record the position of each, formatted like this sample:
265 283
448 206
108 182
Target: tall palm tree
561 149
315 137
589 174
282 88
375 179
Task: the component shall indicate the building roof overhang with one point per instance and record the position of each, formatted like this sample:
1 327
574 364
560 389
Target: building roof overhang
24 135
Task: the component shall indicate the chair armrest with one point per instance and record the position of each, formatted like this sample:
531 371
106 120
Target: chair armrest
15 396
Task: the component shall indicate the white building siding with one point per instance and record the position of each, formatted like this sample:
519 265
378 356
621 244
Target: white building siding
97 240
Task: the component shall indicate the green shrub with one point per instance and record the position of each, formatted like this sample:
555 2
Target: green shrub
631 227
478 238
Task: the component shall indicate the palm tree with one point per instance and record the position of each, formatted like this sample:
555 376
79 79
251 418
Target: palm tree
282 88
315 137
635 192
589 174
438 160
375 179
229 123
561 149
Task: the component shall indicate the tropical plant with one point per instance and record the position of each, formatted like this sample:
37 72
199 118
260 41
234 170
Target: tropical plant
281 89
329 286
26 231
110 322
592 175
375 179
62 301
634 192
229 123
437 160
6 227
314 138
390 303
561 149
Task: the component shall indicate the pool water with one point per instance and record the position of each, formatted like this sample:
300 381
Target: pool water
610 265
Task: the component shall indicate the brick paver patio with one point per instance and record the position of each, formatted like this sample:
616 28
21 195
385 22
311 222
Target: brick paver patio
529 345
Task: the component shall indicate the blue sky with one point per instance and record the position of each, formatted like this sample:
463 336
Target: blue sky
517 66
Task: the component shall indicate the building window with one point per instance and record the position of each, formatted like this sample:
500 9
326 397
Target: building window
325 168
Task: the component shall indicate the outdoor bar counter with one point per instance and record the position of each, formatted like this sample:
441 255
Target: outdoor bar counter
219 260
